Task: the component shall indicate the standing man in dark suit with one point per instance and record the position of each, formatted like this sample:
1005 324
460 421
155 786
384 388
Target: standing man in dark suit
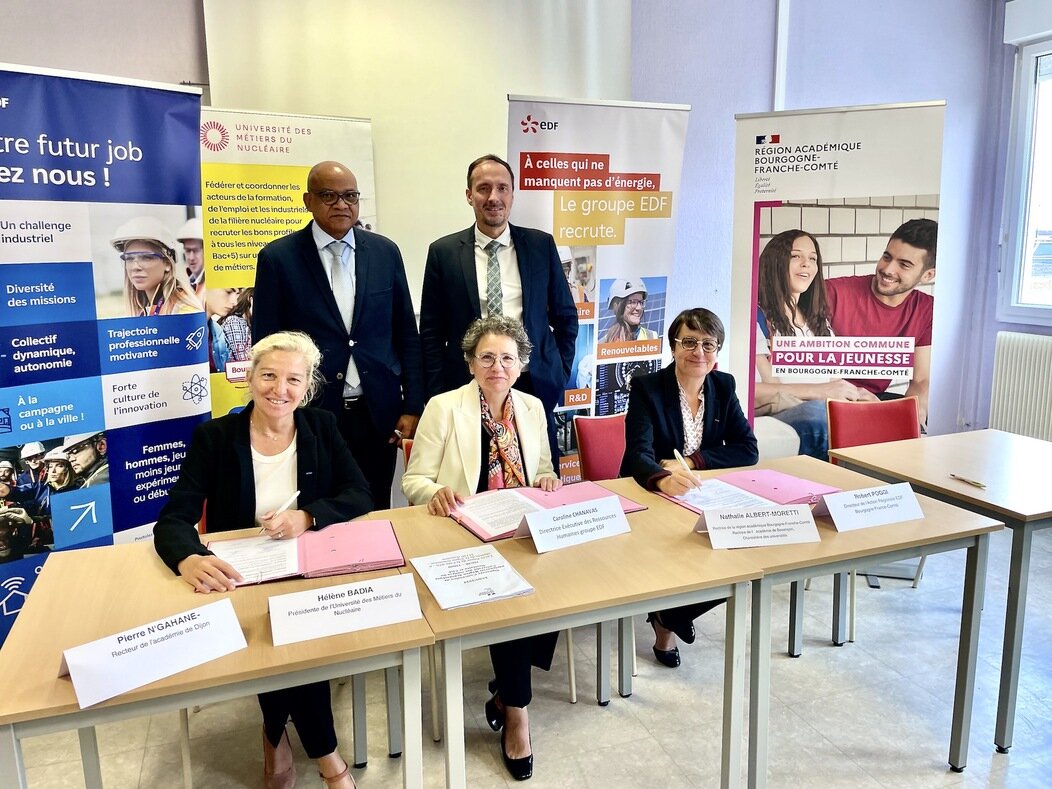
494 267
346 287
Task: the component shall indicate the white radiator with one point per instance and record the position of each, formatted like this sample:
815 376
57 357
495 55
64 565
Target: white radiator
1021 400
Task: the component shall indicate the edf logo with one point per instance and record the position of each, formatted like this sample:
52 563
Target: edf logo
549 125
4 101
530 125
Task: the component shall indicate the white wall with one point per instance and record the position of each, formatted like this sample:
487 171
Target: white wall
433 77
157 40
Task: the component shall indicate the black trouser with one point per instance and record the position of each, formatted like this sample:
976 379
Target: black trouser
370 447
512 662
676 618
310 707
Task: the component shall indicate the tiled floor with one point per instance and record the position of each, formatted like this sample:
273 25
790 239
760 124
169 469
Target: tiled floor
870 714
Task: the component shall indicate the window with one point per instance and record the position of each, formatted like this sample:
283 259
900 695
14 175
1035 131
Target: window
1026 270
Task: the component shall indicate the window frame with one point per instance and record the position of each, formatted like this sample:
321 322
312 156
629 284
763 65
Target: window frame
1017 193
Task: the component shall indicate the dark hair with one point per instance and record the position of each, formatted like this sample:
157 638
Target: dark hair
490 157
922 234
698 319
775 297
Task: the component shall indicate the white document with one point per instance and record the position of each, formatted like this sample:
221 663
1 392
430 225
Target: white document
497 512
861 509
469 576
259 559
124 661
770 525
332 610
715 494
573 524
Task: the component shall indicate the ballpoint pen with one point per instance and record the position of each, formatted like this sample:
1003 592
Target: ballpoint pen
281 509
973 482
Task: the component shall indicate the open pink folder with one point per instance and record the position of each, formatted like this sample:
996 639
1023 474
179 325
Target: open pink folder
348 547
511 508
778 487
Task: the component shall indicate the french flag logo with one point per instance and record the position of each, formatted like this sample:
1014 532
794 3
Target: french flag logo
768 139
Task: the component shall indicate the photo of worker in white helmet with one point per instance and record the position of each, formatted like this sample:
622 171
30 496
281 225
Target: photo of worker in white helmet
155 283
631 309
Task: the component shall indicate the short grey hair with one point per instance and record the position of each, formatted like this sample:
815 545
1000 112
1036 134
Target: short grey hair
292 342
500 325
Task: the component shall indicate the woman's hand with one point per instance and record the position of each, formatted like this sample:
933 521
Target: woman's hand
839 389
548 484
672 465
287 525
678 482
443 502
208 574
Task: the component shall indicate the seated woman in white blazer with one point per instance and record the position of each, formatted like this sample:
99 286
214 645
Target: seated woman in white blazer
484 436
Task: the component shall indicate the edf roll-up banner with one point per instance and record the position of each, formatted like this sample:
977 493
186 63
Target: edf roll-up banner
836 216
603 178
103 360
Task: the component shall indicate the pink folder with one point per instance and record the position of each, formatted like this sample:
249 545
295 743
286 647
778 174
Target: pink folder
778 487
349 547
567 494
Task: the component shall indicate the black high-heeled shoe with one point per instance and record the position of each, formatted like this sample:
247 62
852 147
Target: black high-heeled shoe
666 657
520 769
494 714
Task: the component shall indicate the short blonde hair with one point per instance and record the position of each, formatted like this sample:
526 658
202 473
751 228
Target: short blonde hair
292 342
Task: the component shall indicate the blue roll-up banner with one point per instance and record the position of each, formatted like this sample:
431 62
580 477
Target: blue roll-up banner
103 358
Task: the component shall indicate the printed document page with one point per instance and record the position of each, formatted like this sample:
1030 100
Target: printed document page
469 576
259 559
495 513
715 494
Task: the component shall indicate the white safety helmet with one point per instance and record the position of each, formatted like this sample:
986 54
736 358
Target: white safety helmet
7 464
55 455
32 449
192 228
143 228
78 438
623 288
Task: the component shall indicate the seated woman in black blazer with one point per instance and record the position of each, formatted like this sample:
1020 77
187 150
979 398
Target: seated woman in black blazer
242 467
692 409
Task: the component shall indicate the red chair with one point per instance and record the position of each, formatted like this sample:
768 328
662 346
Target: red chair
600 445
407 450
601 448
853 424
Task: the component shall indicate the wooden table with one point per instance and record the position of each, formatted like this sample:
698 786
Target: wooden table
1015 470
658 565
87 594
943 528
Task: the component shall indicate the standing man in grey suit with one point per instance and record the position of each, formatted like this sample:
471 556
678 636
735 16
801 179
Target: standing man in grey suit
495 267
346 287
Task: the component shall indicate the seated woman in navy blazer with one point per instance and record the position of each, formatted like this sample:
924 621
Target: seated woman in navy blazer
242 468
692 409
485 436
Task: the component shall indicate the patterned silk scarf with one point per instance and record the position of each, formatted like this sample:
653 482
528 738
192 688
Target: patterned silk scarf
504 465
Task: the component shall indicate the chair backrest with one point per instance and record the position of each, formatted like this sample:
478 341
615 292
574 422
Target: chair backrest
407 450
852 424
601 445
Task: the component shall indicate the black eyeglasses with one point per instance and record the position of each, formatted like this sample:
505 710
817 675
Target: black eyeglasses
330 197
692 344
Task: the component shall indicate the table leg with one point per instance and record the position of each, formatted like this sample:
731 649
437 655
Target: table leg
734 689
12 770
1018 578
89 758
394 712
412 722
453 676
360 725
603 635
625 651
839 609
759 682
967 652
796 619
